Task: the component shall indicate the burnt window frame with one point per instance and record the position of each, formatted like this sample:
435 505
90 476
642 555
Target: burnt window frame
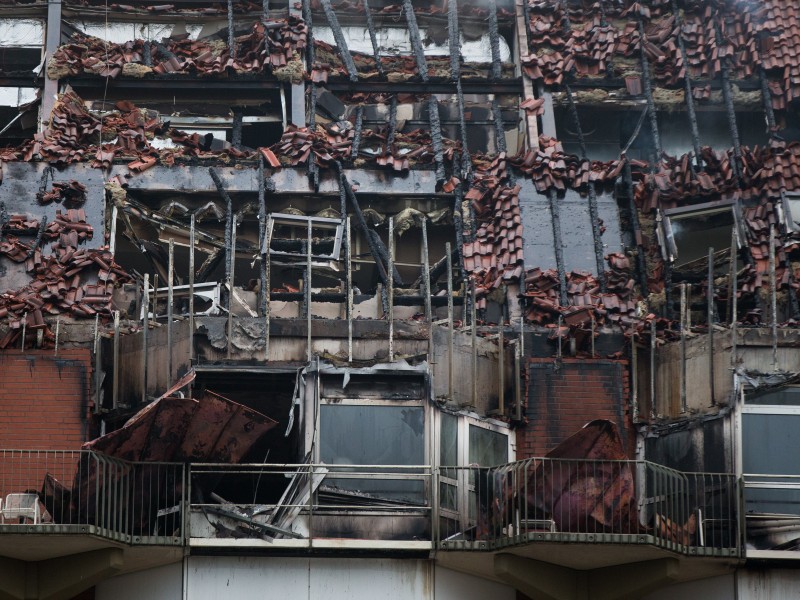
665 218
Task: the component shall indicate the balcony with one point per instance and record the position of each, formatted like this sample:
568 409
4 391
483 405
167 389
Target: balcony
577 514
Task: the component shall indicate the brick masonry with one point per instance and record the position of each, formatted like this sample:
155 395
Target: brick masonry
45 403
562 399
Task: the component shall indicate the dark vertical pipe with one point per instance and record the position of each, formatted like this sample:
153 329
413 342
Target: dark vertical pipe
555 219
710 300
392 124
499 131
357 134
466 161
341 43
436 136
236 131
262 233
728 97
648 91
687 84
454 39
231 33
147 53
308 18
265 9
494 40
416 42
228 228
373 38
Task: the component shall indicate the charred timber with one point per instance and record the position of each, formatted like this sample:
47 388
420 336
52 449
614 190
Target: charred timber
416 41
341 42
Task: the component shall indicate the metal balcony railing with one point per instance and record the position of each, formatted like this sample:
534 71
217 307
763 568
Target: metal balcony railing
449 508
53 491
589 501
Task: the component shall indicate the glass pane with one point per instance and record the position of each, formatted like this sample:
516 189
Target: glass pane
788 396
487 448
448 496
448 444
374 435
765 440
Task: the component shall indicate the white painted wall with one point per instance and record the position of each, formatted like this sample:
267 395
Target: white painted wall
768 584
162 583
265 578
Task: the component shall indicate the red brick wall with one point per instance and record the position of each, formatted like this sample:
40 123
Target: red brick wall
561 400
44 399
44 405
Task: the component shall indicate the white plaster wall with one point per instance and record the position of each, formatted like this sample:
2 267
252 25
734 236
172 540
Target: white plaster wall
713 588
768 584
265 578
162 583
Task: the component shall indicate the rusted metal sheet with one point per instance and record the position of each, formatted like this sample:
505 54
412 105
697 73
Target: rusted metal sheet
588 496
212 429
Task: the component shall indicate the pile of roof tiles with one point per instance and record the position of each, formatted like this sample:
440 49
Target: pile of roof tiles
496 255
74 134
69 280
267 47
71 193
334 142
549 167
586 304
591 41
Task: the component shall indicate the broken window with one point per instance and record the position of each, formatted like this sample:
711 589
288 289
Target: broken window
688 232
791 211
373 420
289 235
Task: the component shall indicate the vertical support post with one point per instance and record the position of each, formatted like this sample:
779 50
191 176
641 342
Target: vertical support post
24 329
231 33
192 243
684 406
170 298
145 328
262 232
267 258
97 362
735 317
308 293
236 129
773 298
501 364
652 369
449 321
474 335
426 290
349 257
115 389
58 331
391 289
112 238
232 258
52 41
155 298
710 318
518 379
634 377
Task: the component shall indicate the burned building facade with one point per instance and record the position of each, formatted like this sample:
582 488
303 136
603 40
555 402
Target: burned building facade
436 299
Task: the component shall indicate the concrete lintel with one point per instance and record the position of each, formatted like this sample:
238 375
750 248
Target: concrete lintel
545 581
59 578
